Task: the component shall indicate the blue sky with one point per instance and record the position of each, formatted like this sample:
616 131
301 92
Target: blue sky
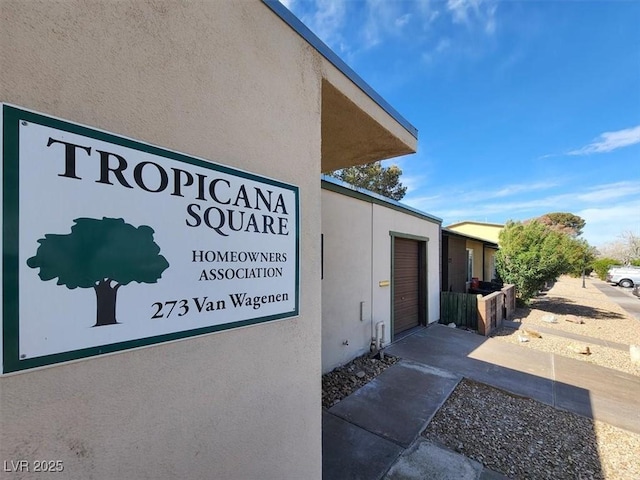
522 107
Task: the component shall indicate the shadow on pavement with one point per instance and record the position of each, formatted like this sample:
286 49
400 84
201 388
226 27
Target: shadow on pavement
366 433
564 306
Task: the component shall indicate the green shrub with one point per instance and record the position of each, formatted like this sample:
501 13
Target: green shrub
531 254
601 266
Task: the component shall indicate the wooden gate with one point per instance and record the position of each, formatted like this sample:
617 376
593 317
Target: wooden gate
459 308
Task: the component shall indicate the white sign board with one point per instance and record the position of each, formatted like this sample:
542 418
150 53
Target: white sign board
110 243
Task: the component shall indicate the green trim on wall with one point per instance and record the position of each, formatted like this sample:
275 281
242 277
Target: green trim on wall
409 236
337 186
12 116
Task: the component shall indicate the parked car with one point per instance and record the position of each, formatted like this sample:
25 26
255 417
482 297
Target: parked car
624 276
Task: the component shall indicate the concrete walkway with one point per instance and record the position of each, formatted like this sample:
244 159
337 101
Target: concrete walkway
375 432
583 388
624 298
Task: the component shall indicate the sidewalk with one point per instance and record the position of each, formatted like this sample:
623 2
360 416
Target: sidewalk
379 426
629 303
588 390
375 432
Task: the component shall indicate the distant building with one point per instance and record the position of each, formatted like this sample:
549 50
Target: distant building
465 257
482 230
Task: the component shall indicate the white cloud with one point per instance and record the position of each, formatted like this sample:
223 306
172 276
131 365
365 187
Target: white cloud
520 188
610 192
476 202
460 9
287 3
352 27
443 45
609 141
386 19
490 20
326 19
412 182
608 209
402 20
467 11
605 224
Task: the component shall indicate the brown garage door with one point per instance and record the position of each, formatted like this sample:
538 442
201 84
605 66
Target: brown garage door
406 283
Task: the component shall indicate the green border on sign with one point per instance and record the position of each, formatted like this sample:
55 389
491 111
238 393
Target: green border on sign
11 118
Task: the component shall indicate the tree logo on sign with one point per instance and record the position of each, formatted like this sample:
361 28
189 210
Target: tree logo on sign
100 254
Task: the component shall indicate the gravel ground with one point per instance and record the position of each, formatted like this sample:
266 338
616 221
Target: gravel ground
603 319
520 437
343 381
602 356
525 439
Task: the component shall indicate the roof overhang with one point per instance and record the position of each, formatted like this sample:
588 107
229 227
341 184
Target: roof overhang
358 125
357 132
452 233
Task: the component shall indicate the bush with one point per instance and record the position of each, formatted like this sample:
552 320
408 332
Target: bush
531 254
601 266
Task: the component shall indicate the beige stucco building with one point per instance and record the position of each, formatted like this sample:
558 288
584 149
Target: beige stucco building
380 271
242 84
465 257
482 230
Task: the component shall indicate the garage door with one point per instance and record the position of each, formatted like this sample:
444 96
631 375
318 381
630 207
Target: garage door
406 283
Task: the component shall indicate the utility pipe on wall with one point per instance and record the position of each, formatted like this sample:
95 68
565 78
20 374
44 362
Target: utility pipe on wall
380 327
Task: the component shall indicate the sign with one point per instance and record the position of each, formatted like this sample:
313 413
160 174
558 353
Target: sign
110 244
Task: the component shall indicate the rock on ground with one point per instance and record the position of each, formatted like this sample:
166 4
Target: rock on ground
343 381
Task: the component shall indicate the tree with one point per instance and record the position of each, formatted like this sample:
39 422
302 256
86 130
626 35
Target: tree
563 222
580 256
374 177
100 254
626 250
531 254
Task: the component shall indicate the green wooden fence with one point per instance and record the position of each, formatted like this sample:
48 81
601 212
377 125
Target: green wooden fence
459 308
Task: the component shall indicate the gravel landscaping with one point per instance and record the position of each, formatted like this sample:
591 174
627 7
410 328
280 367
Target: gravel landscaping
567 302
343 381
519 437
599 355
525 439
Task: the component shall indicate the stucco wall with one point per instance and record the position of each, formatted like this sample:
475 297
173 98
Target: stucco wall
346 229
229 82
357 256
486 231
386 220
